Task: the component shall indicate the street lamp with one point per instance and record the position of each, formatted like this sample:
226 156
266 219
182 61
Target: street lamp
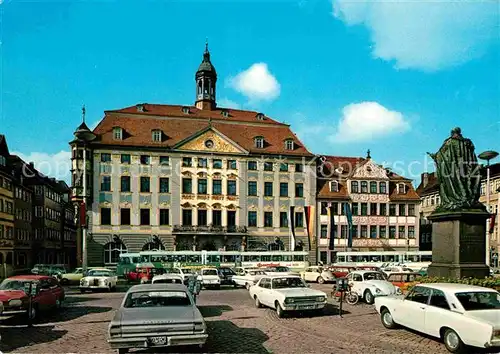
487 156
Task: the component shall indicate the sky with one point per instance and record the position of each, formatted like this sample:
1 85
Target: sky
390 76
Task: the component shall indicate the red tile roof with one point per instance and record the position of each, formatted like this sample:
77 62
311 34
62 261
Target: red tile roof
328 165
240 126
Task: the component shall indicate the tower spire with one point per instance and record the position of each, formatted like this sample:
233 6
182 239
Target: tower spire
83 113
205 77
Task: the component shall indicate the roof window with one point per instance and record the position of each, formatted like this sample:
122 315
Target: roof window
185 110
225 113
259 142
260 116
117 133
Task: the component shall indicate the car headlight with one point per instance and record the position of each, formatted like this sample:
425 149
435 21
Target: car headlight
15 302
398 290
320 299
82 281
199 327
289 300
495 334
378 291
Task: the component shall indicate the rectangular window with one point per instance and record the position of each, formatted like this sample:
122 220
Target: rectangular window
355 209
105 216
231 187
324 208
202 162
402 209
373 231
299 219
411 209
335 208
364 209
343 231
268 166
383 209
164 217
106 183
125 183
411 231
373 208
187 162
324 231
354 187
392 231
383 188
105 157
217 163
202 186
364 231
252 165
299 190
202 217
231 164
252 188
252 219
217 217
145 159
125 158
283 219
283 167
125 216
402 232
164 185
187 217
145 217
231 218
268 189
268 219
382 231
187 185
373 187
364 187
354 231
299 167
392 209
284 189
145 187
217 187
164 160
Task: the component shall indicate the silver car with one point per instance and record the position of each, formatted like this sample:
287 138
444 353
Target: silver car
157 315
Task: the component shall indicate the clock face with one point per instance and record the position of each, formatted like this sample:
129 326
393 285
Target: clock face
209 144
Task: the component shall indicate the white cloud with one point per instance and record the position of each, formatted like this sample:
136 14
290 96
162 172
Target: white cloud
256 83
425 35
56 165
227 103
367 121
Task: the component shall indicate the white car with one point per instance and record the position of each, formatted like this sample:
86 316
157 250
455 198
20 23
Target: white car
396 269
317 274
99 279
209 278
461 315
167 278
182 272
286 293
369 284
278 270
247 277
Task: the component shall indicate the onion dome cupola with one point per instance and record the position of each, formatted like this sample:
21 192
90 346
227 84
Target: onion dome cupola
206 78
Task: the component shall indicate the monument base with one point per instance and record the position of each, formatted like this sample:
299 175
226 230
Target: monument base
459 244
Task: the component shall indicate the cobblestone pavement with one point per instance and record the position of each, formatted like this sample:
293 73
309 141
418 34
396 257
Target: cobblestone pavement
234 325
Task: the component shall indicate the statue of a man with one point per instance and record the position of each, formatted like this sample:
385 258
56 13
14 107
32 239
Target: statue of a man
458 173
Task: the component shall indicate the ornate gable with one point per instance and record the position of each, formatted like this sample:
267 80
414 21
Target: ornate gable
369 170
210 140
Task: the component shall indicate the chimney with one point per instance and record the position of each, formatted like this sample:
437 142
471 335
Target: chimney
424 179
32 165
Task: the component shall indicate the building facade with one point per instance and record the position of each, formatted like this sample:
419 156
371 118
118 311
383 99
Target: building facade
23 218
193 178
384 206
6 211
428 191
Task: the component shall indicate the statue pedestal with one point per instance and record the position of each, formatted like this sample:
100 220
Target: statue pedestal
459 244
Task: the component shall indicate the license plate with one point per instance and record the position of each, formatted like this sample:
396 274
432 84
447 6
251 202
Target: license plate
306 307
158 340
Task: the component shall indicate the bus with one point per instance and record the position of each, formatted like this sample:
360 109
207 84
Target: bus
197 259
411 259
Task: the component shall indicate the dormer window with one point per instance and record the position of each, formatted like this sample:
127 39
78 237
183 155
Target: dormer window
260 116
334 186
401 188
156 135
185 110
225 114
140 108
259 142
117 133
289 145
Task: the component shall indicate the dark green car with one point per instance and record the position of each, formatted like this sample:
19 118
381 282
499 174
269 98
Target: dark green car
423 271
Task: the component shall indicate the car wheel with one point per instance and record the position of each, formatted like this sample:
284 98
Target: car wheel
33 315
452 341
369 297
122 350
320 280
217 287
387 319
82 291
64 281
279 310
257 302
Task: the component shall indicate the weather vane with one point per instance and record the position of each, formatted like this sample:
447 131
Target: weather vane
83 113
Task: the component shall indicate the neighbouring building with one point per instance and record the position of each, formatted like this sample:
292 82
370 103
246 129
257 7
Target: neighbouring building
196 177
428 191
6 211
384 206
23 218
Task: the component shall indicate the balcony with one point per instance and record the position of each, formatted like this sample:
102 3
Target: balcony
209 229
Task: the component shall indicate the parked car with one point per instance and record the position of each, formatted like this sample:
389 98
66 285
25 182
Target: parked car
278 270
423 271
396 269
461 315
403 280
369 285
99 279
54 270
226 275
247 277
192 282
209 278
74 276
340 271
317 274
143 274
157 315
49 294
286 293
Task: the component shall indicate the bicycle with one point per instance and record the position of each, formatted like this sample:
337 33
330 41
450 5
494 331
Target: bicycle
351 297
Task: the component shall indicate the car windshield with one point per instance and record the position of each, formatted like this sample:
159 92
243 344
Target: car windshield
157 299
168 280
99 273
373 276
227 271
11 284
281 283
484 300
209 272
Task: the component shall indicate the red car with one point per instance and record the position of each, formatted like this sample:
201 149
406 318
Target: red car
49 295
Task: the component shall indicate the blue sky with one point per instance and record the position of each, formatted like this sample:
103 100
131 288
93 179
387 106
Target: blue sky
393 77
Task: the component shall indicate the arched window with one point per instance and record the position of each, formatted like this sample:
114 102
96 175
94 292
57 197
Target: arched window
153 246
112 251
